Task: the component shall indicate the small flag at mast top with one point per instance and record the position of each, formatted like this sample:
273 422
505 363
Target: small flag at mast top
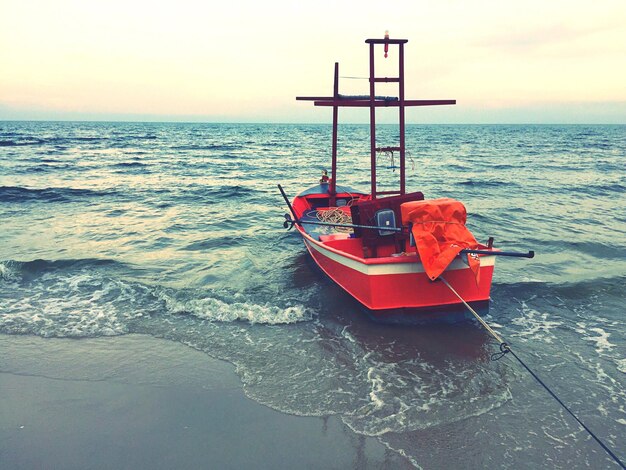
386 44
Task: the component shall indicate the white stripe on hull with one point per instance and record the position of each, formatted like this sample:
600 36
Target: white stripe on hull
390 268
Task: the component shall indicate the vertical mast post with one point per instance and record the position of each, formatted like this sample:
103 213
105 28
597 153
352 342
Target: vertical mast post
372 121
401 119
333 181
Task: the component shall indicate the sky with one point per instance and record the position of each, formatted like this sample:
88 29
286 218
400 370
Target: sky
531 61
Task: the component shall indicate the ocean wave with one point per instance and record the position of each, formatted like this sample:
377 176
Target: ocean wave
43 167
77 304
21 141
145 137
585 289
211 193
535 325
10 271
219 242
488 183
595 249
223 190
207 147
16 271
130 164
598 189
86 298
78 139
600 339
21 194
560 315
417 395
503 166
217 310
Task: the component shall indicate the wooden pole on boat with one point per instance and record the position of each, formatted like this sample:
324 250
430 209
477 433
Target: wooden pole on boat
295 217
333 181
372 120
529 254
401 117
367 227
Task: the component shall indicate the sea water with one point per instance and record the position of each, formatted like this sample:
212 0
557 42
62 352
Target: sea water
175 231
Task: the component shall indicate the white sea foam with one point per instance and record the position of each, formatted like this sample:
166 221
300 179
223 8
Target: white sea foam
535 325
8 271
420 411
407 396
403 453
71 317
213 309
602 340
376 388
346 334
84 303
75 305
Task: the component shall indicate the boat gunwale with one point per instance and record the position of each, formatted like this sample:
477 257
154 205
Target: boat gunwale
372 261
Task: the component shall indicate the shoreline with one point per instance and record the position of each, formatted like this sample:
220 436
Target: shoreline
136 401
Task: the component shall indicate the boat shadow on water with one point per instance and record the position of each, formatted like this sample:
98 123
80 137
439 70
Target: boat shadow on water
436 335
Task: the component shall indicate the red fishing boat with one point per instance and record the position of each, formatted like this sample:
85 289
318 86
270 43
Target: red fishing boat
388 249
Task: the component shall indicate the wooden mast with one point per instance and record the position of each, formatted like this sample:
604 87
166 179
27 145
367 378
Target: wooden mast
400 103
372 102
401 118
372 122
333 181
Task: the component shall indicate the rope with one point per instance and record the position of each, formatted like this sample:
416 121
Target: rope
608 451
392 163
505 348
335 216
482 322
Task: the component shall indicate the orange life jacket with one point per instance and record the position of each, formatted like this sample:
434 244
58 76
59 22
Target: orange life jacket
440 233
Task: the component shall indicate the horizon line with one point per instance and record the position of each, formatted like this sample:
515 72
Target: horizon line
123 121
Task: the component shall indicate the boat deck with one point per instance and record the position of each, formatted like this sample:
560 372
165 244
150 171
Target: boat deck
317 231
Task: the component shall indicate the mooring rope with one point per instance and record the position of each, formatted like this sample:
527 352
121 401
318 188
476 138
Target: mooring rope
505 349
478 317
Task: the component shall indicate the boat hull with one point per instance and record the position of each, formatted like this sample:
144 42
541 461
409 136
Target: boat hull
400 284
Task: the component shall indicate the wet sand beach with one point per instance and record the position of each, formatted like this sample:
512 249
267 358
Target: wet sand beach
141 402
